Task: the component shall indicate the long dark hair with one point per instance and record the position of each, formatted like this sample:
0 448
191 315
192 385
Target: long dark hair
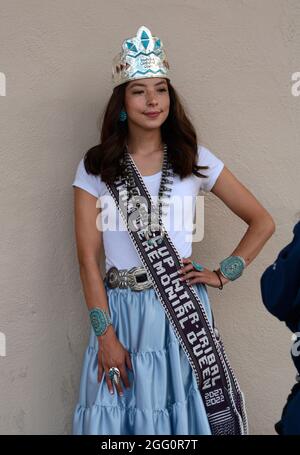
177 132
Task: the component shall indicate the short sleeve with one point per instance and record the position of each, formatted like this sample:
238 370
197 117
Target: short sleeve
89 182
207 158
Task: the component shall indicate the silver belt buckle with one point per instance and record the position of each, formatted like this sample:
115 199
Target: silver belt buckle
133 283
124 278
113 277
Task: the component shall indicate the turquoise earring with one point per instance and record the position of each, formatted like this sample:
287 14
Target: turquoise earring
122 116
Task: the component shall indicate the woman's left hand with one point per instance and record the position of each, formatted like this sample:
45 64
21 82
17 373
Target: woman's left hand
194 276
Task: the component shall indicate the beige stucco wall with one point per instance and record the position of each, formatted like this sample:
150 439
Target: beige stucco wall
233 61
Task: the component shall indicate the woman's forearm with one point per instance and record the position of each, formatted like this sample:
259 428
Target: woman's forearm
94 290
257 234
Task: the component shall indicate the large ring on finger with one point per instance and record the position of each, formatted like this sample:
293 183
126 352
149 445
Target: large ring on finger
114 374
197 266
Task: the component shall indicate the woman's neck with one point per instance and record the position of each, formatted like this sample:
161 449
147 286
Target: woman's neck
148 161
145 146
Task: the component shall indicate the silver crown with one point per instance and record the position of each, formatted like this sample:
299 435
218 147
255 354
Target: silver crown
142 56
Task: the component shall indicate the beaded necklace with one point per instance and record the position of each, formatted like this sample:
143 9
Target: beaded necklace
164 193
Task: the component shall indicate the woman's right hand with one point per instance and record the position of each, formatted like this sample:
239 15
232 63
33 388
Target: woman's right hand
111 353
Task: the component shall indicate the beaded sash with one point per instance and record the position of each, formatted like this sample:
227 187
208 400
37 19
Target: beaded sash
220 391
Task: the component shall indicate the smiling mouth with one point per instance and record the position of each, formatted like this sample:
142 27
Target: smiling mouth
153 114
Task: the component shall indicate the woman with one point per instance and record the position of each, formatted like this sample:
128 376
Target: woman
280 289
137 351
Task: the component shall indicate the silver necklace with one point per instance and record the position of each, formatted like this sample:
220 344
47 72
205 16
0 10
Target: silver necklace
164 193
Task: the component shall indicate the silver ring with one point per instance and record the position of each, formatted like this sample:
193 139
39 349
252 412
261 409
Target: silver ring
114 374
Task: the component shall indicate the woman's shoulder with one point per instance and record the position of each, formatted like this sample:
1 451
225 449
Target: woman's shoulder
215 166
206 156
89 182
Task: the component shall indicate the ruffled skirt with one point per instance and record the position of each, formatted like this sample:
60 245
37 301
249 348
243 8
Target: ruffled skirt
163 398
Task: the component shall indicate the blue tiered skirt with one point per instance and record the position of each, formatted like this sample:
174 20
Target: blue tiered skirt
163 398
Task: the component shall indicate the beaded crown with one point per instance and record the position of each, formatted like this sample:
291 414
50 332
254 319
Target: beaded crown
142 56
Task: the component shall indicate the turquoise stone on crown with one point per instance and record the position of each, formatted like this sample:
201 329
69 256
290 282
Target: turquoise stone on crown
142 56
157 43
145 39
131 46
232 267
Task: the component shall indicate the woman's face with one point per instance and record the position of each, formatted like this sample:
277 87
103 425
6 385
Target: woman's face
147 95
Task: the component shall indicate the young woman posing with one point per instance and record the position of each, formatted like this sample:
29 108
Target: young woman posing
152 327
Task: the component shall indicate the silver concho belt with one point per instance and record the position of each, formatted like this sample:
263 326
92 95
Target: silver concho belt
136 278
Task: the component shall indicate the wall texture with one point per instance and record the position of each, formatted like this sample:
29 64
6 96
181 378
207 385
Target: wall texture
232 63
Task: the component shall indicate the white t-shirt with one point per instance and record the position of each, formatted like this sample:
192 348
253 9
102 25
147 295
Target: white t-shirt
119 249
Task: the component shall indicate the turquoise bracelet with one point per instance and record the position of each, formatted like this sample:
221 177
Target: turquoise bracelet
232 267
100 320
